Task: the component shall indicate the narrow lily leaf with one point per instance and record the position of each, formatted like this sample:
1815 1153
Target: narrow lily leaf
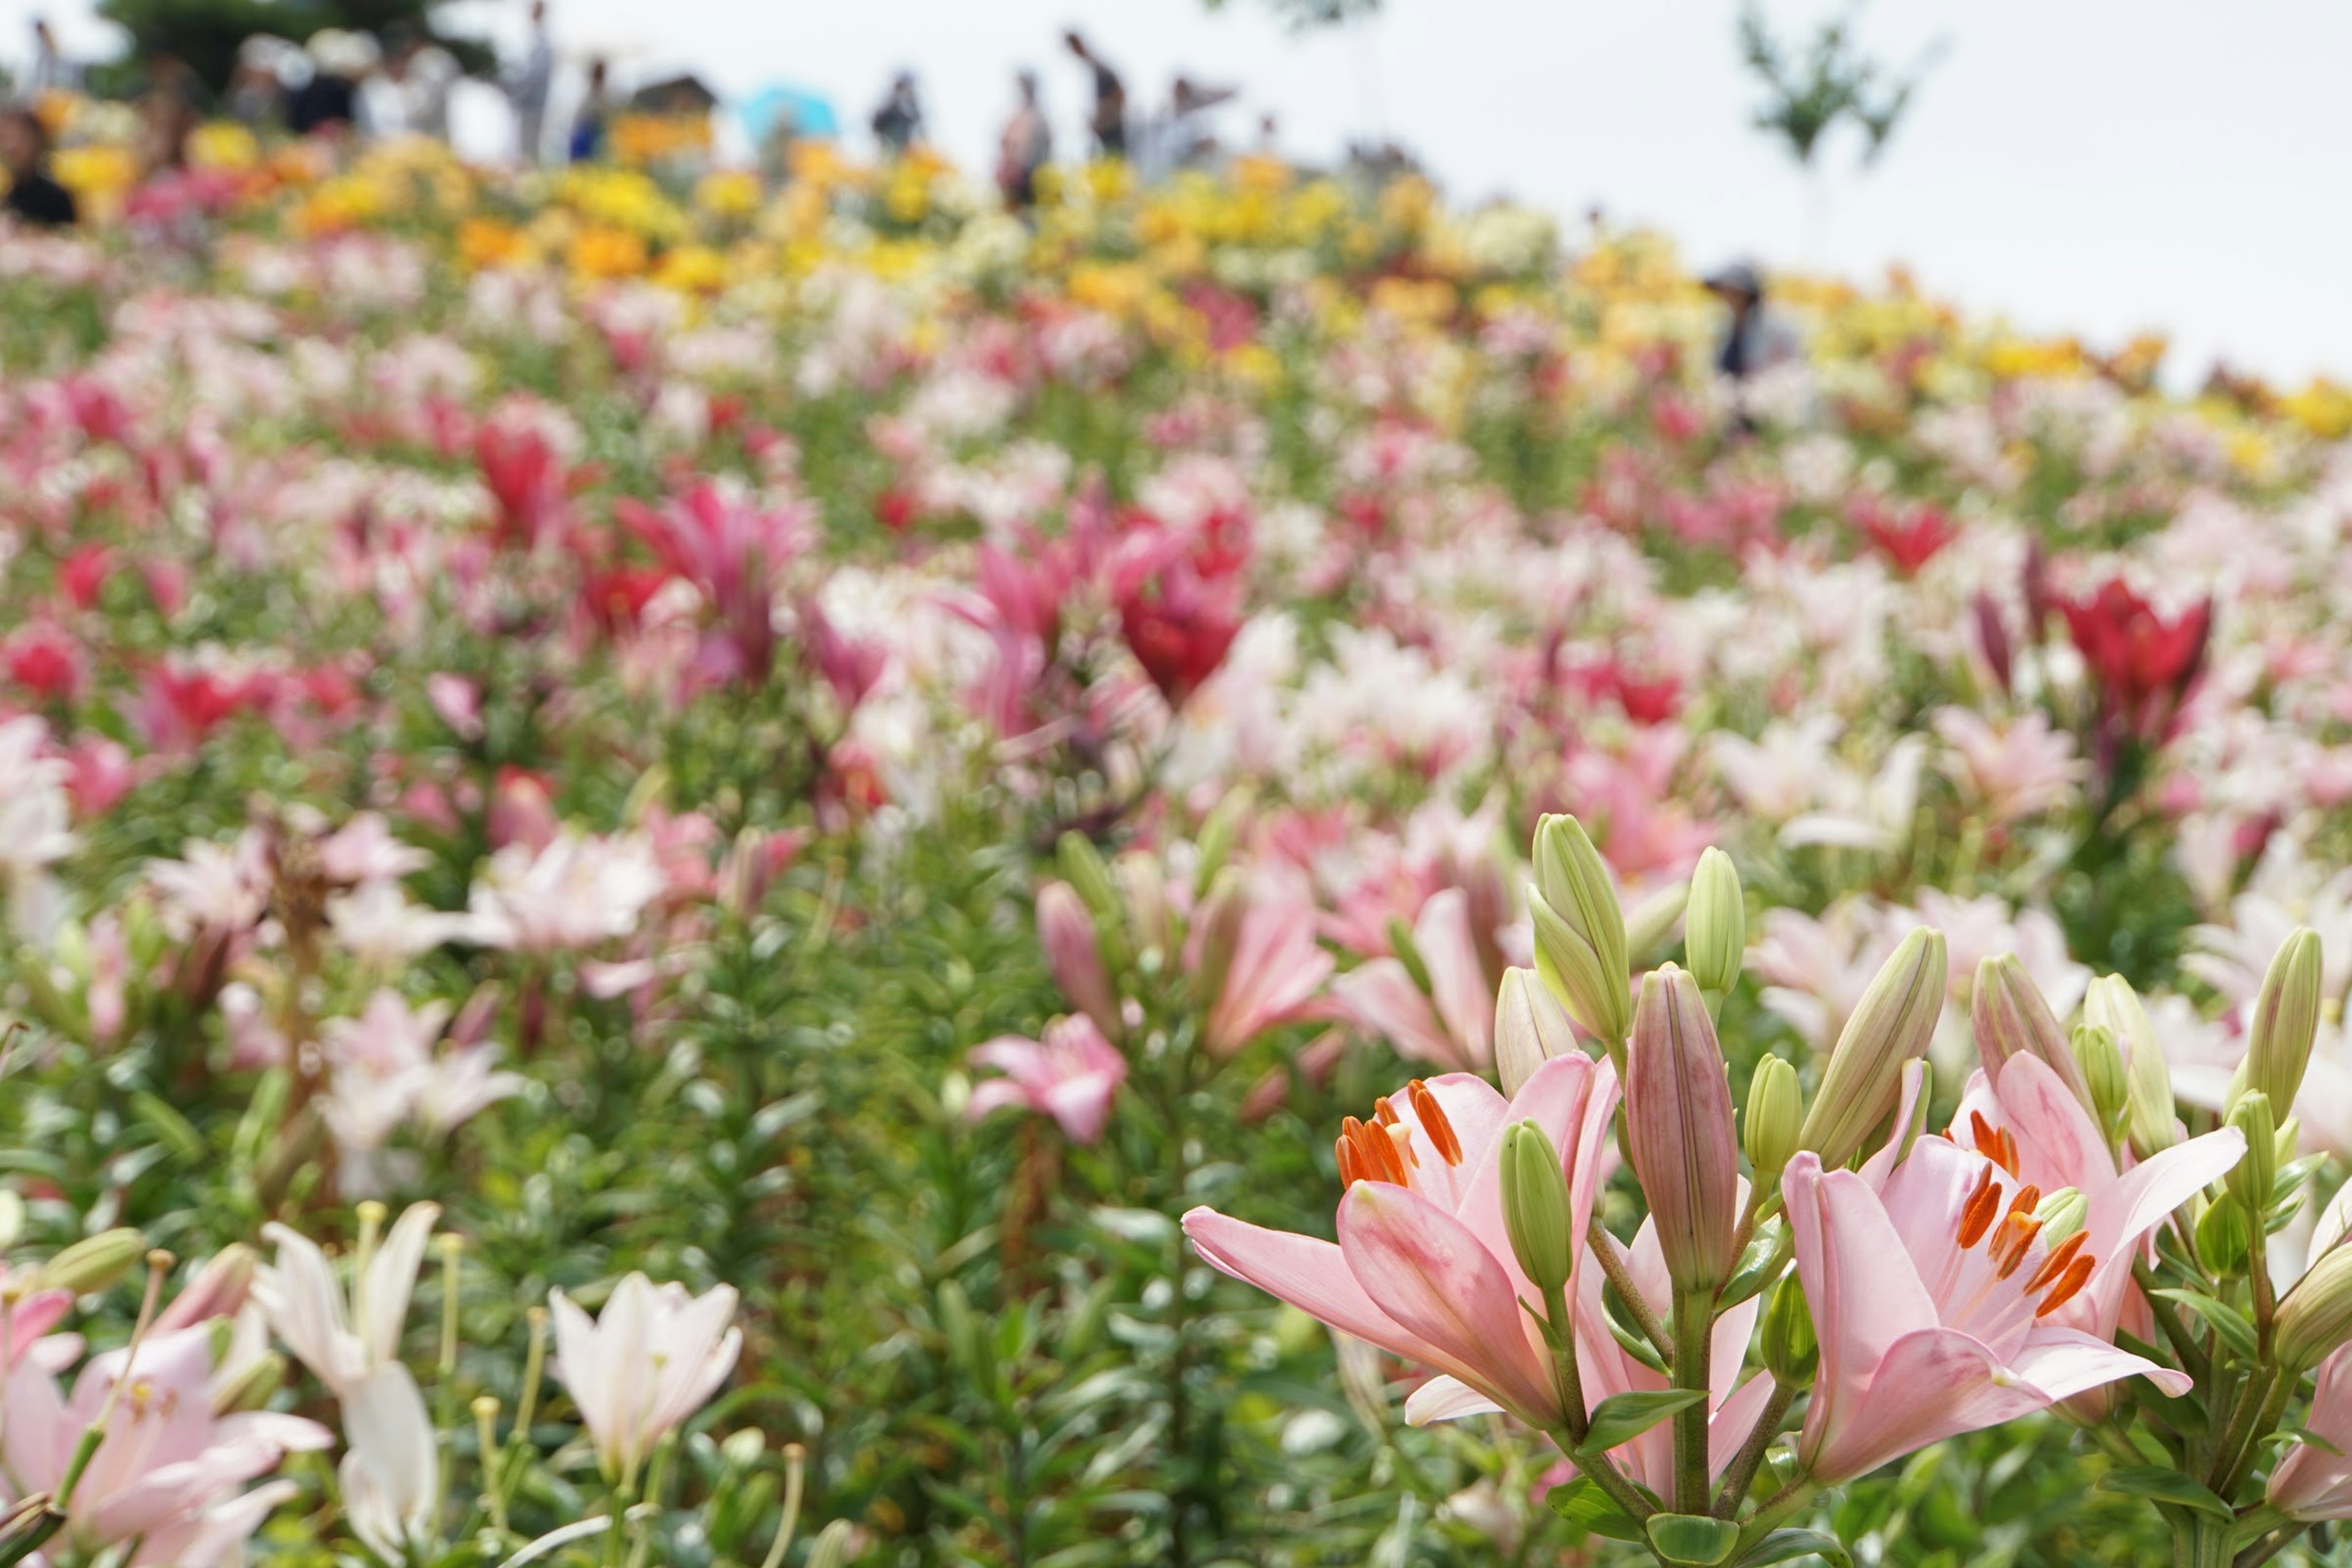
2164 1486
1787 1546
1581 1503
2224 1319
1695 1538
1621 1418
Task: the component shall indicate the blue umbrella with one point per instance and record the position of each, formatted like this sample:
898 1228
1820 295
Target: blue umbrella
811 113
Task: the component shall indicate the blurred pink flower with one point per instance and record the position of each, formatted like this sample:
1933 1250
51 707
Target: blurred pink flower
1071 1075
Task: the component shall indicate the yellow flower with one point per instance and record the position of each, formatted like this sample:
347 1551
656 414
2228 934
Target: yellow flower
727 193
484 242
2322 408
601 251
224 144
692 269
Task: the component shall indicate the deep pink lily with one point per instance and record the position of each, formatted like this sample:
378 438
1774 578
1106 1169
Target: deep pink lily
1933 1295
1423 1267
1072 1075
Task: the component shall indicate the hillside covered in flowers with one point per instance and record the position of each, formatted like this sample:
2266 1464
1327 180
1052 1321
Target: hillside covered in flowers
802 772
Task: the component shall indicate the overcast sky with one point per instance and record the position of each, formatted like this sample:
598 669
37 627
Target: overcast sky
2092 165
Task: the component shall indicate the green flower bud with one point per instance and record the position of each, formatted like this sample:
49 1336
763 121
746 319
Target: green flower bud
93 1263
2011 1018
1219 921
831 1548
1217 834
2104 1073
1580 931
1773 1119
1530 1028
1792 1354
2061 1214
2224 1237
2252 1177
253 1387
1535 1207
2112 1005
2286 1019
1891 1026
2316 1315
1085 869
1651 921
1715 927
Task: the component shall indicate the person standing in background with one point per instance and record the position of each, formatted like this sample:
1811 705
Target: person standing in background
529 87
50 70
1027 143
33 197
590 124
1108 120
898 124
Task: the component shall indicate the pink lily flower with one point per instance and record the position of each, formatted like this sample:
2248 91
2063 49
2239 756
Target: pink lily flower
1932 1297
1071 1075
1452 1023
2030 1123
1277 967
2311 1483
1423 1267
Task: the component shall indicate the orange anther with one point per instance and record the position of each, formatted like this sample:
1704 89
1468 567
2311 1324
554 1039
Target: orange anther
1434 1122
2029 1198
2077 1274
1351 1165
2016 1238
2056 1263
1383 1113
1977 1216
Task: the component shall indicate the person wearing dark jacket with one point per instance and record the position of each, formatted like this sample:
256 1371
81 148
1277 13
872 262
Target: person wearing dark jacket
33 197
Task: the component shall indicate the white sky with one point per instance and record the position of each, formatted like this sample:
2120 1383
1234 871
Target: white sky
2091 166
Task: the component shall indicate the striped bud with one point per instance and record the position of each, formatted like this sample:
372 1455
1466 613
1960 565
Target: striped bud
2316 1315
1792 1352
1535 1208
2011 1019
95 1262
2104 1073
1678 1128
2256 1172
2285 1020
1891 1026
1580 931
1773 1121
2112 1005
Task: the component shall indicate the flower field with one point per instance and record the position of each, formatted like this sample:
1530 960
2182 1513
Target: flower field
700 874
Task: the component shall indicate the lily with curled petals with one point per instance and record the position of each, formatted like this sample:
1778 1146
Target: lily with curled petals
391 1473
1452 1022
1933 1297
1423 1267
342 1338
1071 1075
651 1359
1270 973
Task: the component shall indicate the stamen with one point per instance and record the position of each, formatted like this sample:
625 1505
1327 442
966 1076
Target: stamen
2008 1151
1981 1134
2029 1198
1375 1152
2017 1234
2077 1274
1402 1136
1977 1216
1434 1122
1383 1113
2057 1262
1351 1166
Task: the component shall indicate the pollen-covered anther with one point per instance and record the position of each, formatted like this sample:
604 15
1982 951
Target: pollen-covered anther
2015 1240
1977 1216
2060 1260
2077 1274
1434 1122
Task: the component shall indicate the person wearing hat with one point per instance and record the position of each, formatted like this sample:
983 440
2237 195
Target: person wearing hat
330 99
33 197
1754 340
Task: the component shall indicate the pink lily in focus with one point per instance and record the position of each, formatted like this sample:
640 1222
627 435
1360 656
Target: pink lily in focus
1071 1075
1934 1299
652 1358
1423 1267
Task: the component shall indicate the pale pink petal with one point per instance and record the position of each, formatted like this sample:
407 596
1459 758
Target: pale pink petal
1312 1275
1445 1398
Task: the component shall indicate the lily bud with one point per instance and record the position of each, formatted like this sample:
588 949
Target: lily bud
94 1262
2012 1019
1791 1352
2316 1315
1715 926
1218 922
1678 1128
1893 1025
1535 1208
218 1290
1217 834
831 1548
253 1387
2256 1172
2112 1005
2224 1238
1530 1029
1084 868
1066 932
1651 921
2286 1019
1580 931
2104 1073
1774 1117
2061 1214
1143 885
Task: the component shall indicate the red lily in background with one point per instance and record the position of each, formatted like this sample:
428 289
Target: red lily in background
1908 539
2144 664
1180 607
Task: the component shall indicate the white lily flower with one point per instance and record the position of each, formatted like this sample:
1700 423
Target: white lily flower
651 1360
341 1340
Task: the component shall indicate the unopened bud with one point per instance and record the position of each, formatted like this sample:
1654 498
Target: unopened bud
252 1387
2112 1005
741 1450
2285 1020
27 1524
1651 921
1791 1352
94 1263
1067 932
2224 1238
12 1219
1891 1027
1535 1208
1217 932
2061 1214
1775 1118
2256 1172
2012 1019
1217 834
831 1548
218 1290
1580 931
1084 868
2316 1315
2104 1073
1715 926
1530 1028
1407 951
1678 1128
1143 886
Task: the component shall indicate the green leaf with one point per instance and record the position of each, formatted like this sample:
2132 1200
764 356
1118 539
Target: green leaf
178 1133
2224 1319
1621 1418
2164 1486
1581 1503
2308 1438
1693 1538
1785 1545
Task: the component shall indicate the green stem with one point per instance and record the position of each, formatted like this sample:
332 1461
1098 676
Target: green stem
2238 1461
1750 1457
2268 1545
1694 1326
1598 1469
1778 1507
1613 1266
1561 1329
2200 1540
2193 1359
